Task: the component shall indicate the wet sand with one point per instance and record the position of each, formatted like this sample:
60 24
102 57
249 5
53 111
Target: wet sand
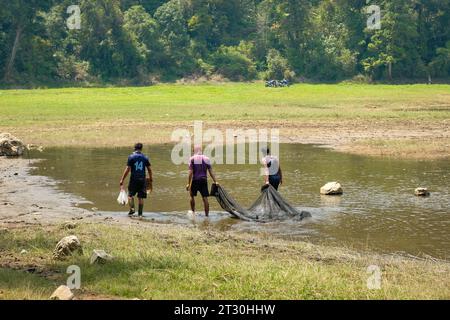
34 200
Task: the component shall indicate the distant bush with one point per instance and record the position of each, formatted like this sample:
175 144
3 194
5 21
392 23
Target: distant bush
234 63
278 67
70 69
205 68
360 78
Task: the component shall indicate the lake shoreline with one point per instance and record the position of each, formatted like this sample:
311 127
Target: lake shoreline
393 139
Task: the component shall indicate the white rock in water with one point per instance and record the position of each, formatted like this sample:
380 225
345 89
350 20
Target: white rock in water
422 192
100 256
10 146
66 246
62 293
332 189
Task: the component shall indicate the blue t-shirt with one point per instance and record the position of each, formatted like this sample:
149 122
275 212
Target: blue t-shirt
138 162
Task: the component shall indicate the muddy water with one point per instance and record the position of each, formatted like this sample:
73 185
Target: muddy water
378 210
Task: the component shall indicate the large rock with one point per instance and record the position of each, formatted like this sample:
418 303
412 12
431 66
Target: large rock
66 246
422 192
62 293
100 256
332 189
10 146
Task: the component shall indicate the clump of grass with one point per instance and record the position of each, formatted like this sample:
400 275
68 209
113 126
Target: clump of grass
21 285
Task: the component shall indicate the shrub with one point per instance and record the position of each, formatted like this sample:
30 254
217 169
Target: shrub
233 64
278 66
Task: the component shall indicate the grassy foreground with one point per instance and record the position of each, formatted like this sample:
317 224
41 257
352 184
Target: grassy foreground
116 116
169 262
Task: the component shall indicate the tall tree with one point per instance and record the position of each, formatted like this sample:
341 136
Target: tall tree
22 16
174 36
392 50
143 30
106 44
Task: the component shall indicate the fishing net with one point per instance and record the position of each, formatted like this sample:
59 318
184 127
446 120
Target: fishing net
269 206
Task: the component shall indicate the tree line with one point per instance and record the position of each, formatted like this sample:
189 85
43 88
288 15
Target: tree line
138 41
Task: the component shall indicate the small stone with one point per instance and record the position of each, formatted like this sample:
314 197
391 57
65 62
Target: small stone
68 225
62 293
332 189
100 257
422 192
23 251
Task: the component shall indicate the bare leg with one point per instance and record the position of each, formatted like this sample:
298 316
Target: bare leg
206 205
131 204
141 206
192 204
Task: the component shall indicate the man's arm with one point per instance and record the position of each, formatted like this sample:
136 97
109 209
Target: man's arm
125 174
191 174
150 173
266 172
150 178
213 176
281 175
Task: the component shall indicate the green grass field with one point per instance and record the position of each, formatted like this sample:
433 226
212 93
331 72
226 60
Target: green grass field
230 101
167 262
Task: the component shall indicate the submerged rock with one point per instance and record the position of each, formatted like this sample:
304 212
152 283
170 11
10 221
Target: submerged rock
62 293
422 192
35 147
332 189
66 246
10 146
100 256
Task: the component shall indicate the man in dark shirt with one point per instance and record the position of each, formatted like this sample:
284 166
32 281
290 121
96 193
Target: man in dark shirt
136 164
199 166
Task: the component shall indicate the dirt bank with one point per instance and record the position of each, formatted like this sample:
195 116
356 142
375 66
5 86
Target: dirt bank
402 139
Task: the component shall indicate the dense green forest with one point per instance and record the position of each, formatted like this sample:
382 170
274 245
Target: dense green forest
141 41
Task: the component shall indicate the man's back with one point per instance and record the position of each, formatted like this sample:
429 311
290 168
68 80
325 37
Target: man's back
273 164
137 161
199 164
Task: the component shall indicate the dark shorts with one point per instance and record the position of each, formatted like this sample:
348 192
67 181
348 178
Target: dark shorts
200 186
275 181
139 187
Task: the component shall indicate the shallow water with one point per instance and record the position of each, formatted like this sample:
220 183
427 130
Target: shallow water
378 210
